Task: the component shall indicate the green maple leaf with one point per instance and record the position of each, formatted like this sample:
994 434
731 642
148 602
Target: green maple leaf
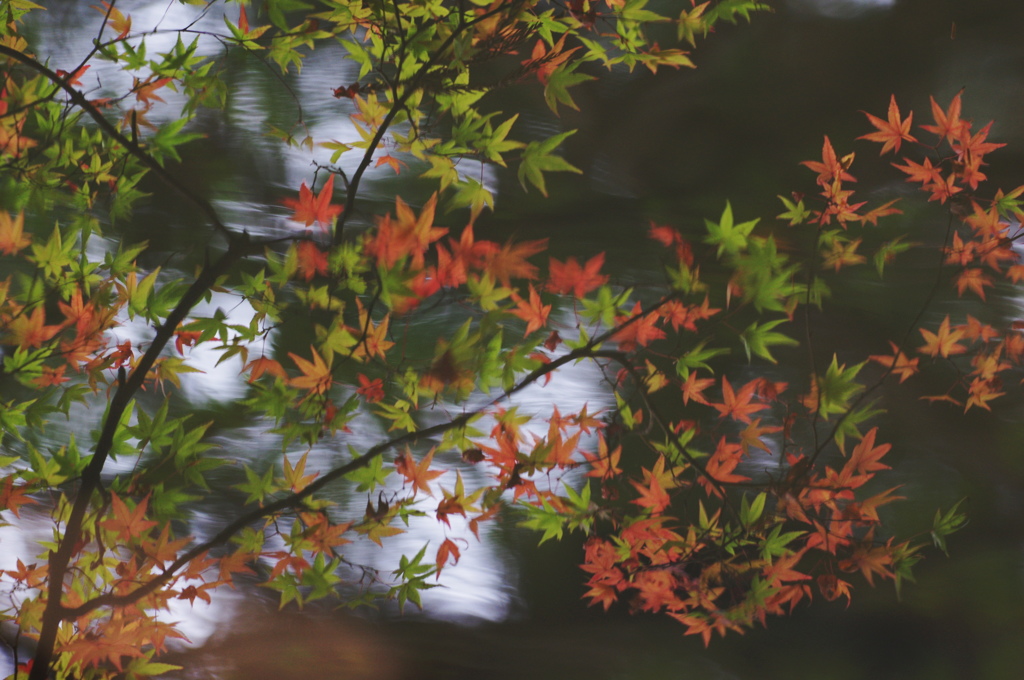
730 237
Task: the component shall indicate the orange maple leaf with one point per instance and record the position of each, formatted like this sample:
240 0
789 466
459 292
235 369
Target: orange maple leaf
544 62
736 405
391 162
316 375
830 168
509 261
944 343
405 234
639 332
12 238
925 172
533 312
310 207
974 279
605 464
897 362
865 457
258 367
694 388
891 132
115 18
981 392
128 523
30 330
12 498
145 91
652 496
947 123
870 560
418 474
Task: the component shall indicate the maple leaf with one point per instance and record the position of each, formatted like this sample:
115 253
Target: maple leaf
12 498
310 207
981 392
417 474
115 18
311 260
925 172
258 367
832 588
544 62
720 467
127 523
145 91
51 376
324 536
534 313
510 261
974 279
572 278
73 78
405 234
694 388
751 435
295 477
316 375
671 238
947 123
944 343
870 560
652 496
864 459
30 330
881 211
12 238
605 464
640 332
891 132
236 563
736 405
392 162
373 338
830 168
897 362
448 549
371 390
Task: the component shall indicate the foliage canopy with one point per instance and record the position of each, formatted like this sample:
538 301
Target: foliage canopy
713 492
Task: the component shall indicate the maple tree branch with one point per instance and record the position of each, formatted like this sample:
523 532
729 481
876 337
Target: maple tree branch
133 148
60 559
294 499
398 105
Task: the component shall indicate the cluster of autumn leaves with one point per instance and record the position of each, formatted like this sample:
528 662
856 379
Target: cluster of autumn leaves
711 498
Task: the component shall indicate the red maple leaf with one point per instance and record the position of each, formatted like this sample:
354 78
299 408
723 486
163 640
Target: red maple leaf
310 207
572 278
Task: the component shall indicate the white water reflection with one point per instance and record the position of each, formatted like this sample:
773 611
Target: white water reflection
840 9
